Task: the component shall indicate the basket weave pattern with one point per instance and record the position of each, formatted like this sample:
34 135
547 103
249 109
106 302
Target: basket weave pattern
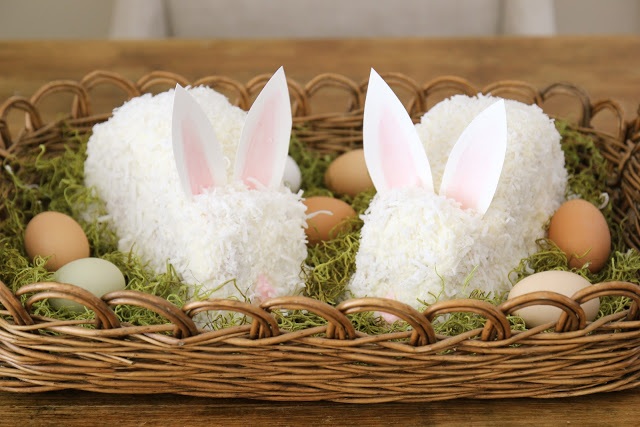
332 362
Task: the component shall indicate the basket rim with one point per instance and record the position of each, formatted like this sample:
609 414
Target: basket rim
302 96
19 326
263 325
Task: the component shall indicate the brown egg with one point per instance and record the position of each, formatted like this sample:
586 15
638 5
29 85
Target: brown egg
348 174
56 235
562 282
581 231
325 218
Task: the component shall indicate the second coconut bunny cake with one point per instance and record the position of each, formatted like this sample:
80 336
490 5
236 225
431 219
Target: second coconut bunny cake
499 170
191 180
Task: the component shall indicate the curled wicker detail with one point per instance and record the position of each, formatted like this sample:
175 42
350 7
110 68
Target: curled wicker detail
423 333
330 361
105 318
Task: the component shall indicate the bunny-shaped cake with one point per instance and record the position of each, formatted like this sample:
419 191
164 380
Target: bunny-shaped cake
500 171
191 180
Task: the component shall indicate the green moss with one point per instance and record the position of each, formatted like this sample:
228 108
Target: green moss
312 165
332 264
54 181
588 173
585 165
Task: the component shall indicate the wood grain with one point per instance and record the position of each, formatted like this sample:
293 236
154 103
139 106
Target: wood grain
606 67
71 408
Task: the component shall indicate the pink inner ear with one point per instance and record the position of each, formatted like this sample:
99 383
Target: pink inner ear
465 185
398 167
200 177
475 163
259 160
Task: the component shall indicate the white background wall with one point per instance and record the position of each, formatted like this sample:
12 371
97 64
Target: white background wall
29 19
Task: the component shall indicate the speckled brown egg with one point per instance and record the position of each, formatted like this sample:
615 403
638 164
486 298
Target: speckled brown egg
326 218
55 235
348 174
580 230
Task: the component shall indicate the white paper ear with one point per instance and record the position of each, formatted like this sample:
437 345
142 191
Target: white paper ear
393 151
473 170
196 149
264 143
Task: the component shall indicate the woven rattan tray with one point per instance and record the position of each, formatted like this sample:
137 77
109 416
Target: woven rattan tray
332 362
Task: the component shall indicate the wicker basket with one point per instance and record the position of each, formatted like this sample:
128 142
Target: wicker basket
332 362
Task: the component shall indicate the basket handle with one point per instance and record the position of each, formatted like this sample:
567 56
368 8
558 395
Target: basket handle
154 78
105 317
5 138
563 88
80 105
240 90
520 88
14 307
98 77
264 325
328 80
339 325
615 288
494 316
184 326
448 83
569 306
32 116
423 333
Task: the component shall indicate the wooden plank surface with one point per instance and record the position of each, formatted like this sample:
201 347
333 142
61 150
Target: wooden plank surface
606 67
70 409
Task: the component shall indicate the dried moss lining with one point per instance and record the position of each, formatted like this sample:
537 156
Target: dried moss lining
334 261
588 175
54 182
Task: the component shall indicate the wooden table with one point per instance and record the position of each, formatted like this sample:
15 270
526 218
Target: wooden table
606 67
82 409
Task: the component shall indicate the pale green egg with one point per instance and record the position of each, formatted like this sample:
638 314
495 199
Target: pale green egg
95 275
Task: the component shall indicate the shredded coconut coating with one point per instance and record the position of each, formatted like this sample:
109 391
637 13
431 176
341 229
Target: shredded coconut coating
230 235
417 246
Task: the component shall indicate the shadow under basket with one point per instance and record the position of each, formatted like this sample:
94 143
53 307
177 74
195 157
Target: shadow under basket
259 360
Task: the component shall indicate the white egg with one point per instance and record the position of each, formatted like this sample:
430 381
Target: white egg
292 177
562 282
95 275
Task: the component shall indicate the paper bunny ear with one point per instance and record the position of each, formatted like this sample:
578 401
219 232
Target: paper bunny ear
473 170
264 142
393 151
196 149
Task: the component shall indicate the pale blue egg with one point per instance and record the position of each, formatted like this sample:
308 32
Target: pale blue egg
95 275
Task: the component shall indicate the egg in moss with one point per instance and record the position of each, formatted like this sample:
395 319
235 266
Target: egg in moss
56 236
561 282
581 231
326 218
348 174
95 275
